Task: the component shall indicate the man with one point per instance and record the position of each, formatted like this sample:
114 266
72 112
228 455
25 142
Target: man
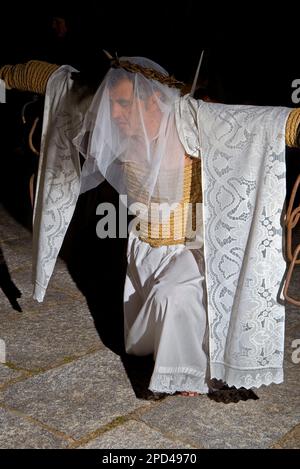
139 134
129 136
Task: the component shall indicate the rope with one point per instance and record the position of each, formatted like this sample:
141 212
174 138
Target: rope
31 76
292 130
175 230
147 72
30 142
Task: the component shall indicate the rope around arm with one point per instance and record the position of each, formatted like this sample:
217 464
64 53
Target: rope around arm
33 76
292 129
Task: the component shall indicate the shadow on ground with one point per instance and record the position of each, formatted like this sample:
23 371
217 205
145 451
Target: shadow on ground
98 267
7 285
229 395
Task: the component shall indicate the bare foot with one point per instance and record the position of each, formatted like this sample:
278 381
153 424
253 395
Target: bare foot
189 394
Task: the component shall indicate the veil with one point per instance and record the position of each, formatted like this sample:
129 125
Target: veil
129 135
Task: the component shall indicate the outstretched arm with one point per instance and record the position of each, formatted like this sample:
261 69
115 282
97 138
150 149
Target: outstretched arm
292 130
31 76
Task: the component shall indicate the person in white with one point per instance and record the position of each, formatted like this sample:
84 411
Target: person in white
133 143
204 302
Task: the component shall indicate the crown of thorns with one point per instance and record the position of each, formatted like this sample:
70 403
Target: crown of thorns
150 73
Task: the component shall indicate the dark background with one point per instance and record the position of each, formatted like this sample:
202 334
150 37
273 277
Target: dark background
249 57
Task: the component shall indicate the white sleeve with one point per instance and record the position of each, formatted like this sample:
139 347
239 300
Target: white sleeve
58 183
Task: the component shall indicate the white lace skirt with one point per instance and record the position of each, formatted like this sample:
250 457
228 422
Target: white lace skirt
165 314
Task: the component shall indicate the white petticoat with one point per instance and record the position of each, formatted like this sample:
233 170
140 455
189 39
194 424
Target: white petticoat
165 314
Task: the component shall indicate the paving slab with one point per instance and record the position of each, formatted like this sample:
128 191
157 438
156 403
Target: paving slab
17 253
10 228
133 435
292 341
245 424
85 399
19 433
292 323
77 398
48 337
22 280
284 396
290 441
8 374
62 280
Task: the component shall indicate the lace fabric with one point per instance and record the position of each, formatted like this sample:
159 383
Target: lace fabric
173 380
243 178
131 121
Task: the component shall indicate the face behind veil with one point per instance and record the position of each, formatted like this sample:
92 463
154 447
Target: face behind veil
129 136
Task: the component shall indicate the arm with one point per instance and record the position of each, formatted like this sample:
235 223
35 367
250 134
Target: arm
31 76
186 121
292 129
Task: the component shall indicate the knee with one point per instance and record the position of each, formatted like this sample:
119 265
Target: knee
162 294
176 301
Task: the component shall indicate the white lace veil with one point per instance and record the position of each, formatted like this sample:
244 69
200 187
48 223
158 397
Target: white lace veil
129 136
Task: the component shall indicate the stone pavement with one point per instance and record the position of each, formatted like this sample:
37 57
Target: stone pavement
61 387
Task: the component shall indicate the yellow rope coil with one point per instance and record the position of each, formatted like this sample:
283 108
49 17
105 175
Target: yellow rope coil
292 129
31 76
182 221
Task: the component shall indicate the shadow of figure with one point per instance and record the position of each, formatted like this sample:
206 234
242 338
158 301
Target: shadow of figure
98 267
228 395
139 371
7 285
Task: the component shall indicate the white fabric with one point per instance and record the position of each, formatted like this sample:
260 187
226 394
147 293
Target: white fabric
243 179
130 126
58 183
243 164
165 314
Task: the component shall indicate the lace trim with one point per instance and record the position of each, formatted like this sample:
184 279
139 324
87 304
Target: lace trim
247 378
178 379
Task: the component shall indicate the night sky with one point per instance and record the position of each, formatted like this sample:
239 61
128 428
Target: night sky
246 60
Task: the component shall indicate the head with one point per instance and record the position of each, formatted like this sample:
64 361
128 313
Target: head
131 124
59 27
134 111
